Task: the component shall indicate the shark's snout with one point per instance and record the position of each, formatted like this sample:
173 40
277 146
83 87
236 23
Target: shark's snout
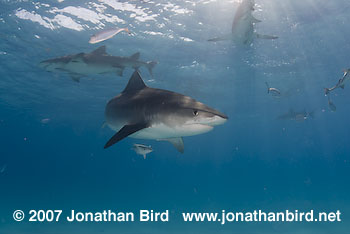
216 120
47 66
211 117
223 116
43 64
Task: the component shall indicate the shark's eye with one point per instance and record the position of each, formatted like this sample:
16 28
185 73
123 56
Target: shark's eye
195 112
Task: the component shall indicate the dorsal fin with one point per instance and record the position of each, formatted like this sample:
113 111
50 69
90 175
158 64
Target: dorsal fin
135 56
135 83
100 51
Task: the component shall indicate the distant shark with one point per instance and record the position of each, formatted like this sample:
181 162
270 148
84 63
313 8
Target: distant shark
147 113
243 26
298 116
96 62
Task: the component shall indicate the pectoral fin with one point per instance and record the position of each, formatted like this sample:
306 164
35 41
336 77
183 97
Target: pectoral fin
178 143
342 86
125 132
261 36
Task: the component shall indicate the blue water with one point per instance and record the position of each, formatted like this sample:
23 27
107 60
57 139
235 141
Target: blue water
51 140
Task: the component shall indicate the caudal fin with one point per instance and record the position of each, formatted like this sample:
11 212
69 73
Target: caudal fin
127 30
150 65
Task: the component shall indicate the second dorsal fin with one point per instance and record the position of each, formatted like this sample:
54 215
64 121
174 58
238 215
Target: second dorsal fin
135 56
99 51
135 83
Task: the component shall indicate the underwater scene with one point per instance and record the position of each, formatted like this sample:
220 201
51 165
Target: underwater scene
174 116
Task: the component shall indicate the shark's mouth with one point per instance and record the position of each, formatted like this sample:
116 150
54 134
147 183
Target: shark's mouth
210 122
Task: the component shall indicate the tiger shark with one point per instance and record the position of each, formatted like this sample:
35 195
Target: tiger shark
243 31
96 62
142 112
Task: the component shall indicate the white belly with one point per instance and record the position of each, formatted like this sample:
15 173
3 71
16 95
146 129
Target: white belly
243 32
162 131
142 151
83 68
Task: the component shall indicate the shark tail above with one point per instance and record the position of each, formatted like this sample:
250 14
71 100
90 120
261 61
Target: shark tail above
150 65
262 36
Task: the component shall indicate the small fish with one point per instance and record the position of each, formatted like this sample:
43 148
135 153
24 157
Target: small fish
106 34
3 168
331 105
45 121
142 149
273 91
298 116
340 84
